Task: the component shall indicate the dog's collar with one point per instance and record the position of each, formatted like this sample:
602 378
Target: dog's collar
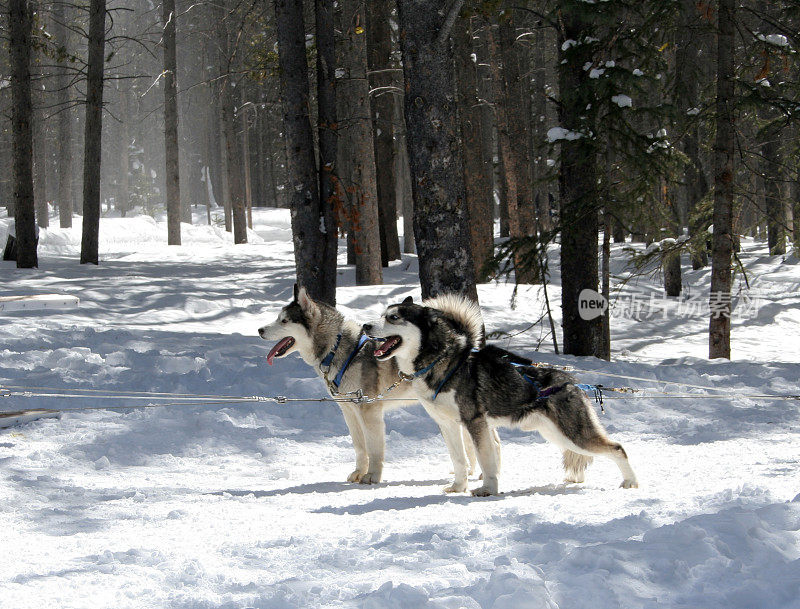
334 384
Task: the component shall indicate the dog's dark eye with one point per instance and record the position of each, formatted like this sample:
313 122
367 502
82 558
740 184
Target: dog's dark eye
392 317
284 321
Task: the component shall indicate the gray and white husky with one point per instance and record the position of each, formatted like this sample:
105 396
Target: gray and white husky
489 387
343 357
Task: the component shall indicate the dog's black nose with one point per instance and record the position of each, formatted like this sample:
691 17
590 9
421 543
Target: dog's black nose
261 332
367 329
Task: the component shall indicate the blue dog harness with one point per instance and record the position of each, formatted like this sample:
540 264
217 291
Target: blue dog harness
325 365
595 391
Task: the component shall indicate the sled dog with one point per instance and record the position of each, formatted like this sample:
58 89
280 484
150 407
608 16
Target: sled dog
490 387
343 357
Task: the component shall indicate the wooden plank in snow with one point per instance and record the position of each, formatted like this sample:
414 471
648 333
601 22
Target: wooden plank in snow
20 417
37 302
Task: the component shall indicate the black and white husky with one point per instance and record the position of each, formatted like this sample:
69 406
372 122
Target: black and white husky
484 388
343 357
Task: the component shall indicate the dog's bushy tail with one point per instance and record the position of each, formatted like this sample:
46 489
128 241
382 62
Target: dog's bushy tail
463 311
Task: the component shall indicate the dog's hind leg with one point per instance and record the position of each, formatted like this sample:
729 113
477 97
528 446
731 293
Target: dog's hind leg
357 434
485 439
375 440
497 449
470 448
575 466
572 424
495 440
615 452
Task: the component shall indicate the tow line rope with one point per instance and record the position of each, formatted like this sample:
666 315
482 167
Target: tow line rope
165 399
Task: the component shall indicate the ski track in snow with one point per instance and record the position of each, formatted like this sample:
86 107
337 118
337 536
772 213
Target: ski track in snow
246 505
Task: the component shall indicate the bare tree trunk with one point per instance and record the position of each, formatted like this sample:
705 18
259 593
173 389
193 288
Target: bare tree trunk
541 184
248 186
40 153
504 180
213 147
327 129
224 173
515 149
316 268
171 124
719 330
6 170
21 115
578 189
64 121
794 201
774 205
268 137
488 122
264 165
689 57
39 99
231 148
605 350
361 184
403 182
440 216
93 131
477 169
124 204
379 52
222 108
672 274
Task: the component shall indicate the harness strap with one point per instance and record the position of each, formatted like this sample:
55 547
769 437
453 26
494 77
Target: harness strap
595 391
338 379
427 368
326 363
450 373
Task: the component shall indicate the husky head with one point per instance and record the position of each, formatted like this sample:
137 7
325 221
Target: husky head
400 329
417 334
304 325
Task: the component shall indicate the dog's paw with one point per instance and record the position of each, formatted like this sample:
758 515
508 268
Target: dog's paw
355 476
456 487
574 478
484 491
632 483
370 478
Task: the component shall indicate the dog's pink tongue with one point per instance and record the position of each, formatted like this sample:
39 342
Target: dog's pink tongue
277 348
384 346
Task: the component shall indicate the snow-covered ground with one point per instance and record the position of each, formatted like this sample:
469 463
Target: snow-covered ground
246 506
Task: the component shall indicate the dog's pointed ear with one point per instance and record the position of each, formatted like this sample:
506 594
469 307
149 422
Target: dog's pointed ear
306 303
296 290
408 300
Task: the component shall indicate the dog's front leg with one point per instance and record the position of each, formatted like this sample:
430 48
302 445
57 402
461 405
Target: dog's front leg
451 432
351 417
485 439
375 439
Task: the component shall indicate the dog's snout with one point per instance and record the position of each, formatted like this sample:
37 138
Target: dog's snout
261 332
